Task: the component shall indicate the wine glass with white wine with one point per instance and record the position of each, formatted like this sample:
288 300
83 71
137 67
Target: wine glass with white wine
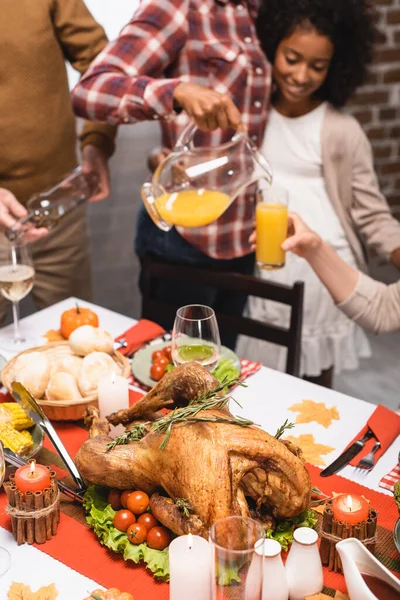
16 281
195 336
5 557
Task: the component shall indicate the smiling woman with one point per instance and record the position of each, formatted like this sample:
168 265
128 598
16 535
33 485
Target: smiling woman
320 50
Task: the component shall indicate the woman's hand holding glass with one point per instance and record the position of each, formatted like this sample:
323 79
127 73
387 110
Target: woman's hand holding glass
301 239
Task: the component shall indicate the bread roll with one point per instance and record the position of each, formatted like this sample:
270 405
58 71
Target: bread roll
33 371
67 364
63 386
95 366
87 339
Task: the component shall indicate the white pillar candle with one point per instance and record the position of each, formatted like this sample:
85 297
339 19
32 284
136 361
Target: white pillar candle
113 393
190 568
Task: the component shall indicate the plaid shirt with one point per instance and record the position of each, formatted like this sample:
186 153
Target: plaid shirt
209 42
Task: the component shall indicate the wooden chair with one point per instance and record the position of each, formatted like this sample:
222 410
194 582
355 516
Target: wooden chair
155 270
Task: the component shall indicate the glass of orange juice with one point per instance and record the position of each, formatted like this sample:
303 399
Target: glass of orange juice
271 227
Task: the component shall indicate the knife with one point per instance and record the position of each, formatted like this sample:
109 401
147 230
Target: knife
347 455
32 408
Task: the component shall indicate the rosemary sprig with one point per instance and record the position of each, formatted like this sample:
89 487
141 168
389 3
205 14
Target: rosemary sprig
316 491
95 596
184 506
133 434
207 401
281 430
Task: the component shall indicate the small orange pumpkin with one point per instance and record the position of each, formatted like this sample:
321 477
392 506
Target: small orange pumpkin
73 318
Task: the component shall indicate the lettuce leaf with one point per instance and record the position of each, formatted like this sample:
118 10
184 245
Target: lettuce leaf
283 533
100 517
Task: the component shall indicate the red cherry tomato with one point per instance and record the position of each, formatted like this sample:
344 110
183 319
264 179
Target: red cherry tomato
157 371
158 538
137 533
114 498
167 353
138 502
163 360
156 355
124 497
124 519
148 520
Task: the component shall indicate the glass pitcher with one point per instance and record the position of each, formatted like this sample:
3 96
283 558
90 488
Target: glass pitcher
194 186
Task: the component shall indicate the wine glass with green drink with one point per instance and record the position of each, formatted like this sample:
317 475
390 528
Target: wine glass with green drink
195 336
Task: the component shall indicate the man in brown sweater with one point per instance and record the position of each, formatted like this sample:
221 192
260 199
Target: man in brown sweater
38 137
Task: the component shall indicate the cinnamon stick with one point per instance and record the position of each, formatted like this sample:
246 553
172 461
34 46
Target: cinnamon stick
11 490
20 520
40 523
326 528
339 533
48 518
332 548
30 522
55 515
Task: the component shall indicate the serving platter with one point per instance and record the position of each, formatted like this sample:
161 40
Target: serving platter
141 361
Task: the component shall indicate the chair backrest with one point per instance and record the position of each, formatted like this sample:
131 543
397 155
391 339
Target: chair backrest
156 309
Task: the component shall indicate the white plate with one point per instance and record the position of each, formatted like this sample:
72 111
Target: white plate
141 361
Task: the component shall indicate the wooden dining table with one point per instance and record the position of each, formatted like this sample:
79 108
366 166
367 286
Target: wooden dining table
269 398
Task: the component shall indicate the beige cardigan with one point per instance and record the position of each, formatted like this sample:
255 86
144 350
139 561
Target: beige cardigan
353 187
374 305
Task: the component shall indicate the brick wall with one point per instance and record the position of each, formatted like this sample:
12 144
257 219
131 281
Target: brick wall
377 104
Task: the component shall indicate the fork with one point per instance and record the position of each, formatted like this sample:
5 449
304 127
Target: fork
367 463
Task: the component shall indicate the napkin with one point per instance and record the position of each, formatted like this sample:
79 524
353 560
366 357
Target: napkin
385 425
387 482
144 331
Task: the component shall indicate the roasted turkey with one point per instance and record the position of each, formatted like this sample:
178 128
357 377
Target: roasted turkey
221 469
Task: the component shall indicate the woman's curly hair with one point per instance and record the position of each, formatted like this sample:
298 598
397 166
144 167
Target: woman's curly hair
348 23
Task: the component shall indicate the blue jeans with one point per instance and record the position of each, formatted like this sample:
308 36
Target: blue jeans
173 247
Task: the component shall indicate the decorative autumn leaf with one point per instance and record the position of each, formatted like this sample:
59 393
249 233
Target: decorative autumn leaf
315 411
312 452
20 591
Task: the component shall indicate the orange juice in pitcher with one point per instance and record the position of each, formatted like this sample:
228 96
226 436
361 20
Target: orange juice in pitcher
192 207
271 228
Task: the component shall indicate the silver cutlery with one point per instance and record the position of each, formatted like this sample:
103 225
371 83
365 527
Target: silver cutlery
367 463
347 455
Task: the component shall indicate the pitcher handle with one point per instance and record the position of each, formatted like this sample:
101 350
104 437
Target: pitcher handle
185 140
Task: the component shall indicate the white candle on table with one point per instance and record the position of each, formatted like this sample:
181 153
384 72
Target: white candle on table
190 568
113 393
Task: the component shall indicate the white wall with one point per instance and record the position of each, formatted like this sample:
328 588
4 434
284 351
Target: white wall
112 15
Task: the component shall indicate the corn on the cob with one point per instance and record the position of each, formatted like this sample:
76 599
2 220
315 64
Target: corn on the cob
15 415
20 442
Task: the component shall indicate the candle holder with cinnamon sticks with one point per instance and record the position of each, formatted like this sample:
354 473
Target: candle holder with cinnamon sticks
34 515
333 531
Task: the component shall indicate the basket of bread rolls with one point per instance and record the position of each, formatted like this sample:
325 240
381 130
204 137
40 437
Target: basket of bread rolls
63 376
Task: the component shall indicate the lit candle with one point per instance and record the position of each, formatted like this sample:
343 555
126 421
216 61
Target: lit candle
113 393
350 508
32 478
190 568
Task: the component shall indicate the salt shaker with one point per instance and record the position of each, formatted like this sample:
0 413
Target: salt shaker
274 585
303 566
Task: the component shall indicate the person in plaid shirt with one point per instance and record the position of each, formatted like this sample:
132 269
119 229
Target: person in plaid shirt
176 61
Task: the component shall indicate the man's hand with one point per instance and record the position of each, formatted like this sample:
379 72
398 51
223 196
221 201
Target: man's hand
10 211
95 161
208 109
